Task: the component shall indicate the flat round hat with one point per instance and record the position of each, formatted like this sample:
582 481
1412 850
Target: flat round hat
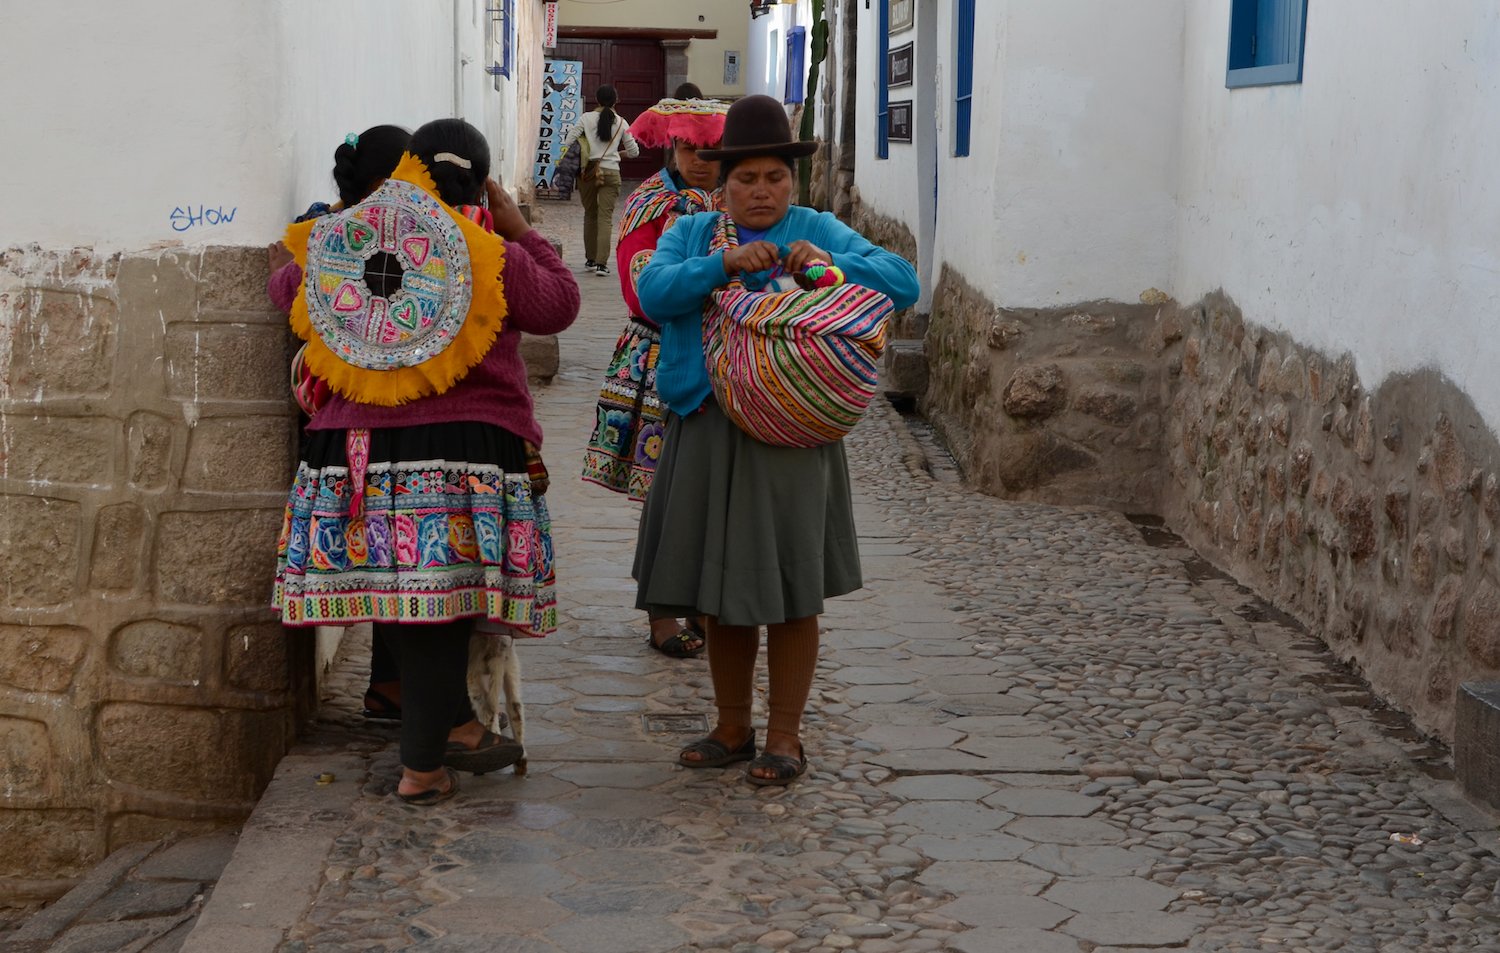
758 126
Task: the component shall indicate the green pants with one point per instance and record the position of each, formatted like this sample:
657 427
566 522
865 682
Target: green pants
599 195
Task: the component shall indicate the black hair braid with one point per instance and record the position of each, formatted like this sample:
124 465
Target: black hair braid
357 167
455 184
607 98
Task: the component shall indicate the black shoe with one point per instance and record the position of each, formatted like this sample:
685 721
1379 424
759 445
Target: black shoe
590 264
601 270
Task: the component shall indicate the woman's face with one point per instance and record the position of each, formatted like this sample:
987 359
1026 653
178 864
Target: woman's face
696 172
759 192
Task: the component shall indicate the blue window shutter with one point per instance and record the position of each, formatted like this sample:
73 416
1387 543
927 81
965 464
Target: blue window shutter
796 64
882 144
1266 42
964 86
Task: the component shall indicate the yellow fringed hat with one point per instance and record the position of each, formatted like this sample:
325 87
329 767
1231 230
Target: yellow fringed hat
401 295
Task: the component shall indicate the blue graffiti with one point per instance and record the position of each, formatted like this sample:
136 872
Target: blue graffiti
185 218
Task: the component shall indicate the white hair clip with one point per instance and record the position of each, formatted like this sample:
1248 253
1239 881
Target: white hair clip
459 161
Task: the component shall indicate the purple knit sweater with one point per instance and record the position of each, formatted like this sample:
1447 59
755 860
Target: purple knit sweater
542 298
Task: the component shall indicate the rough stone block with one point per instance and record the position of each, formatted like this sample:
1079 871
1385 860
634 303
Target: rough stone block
1035 391
255 657
63 344
76 451
149 447
233 278
1034 459
40 658
1482 625
541 355
905 368
164 650
241 455
118 533
48 844
215 756
1476 740
25 757
135 899
39 560
197 858
222 558
1114 407
51 921
229 362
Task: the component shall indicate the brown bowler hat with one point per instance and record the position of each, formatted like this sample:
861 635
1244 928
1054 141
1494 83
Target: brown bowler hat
757 126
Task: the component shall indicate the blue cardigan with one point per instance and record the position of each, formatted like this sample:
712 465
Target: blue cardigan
682 274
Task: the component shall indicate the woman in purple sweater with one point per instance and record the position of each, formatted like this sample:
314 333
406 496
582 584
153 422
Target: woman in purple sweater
413 509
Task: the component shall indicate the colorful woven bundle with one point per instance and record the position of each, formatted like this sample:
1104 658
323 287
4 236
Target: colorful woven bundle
698 122
822 275
794 368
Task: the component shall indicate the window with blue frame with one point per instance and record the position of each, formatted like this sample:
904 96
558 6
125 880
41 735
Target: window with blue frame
1266 42
883 92
796 64
963 85
502 38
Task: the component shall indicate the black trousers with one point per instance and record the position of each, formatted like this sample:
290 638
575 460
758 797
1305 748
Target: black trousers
433 661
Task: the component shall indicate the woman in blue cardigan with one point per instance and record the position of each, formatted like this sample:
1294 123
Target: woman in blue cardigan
743 532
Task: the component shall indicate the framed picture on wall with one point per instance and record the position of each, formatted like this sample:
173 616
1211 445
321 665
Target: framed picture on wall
898 121
903 15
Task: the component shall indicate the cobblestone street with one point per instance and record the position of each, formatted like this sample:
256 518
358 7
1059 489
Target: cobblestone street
1035 729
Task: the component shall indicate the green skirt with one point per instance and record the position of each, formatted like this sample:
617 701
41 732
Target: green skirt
741 530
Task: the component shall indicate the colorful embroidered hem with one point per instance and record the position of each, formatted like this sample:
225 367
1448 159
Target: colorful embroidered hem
626 442
438 541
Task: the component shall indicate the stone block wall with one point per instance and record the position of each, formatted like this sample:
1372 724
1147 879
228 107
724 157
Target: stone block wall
1061 406
894 236
1370 516
147 438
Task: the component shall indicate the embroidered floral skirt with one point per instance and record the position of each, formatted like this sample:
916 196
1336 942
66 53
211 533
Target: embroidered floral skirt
626 442
446 529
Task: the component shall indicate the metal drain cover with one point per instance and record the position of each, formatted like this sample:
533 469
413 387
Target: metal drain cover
674 723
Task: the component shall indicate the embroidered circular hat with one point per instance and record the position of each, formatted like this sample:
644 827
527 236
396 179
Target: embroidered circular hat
757 126
698 122
401 295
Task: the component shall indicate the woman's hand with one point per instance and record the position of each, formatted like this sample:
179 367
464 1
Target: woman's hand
756 256
279 255
800 253
508 219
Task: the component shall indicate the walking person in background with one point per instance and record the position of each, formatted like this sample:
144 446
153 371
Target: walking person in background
606 137
627 435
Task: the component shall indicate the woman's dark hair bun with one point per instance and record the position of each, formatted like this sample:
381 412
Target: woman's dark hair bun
687 91
456 185
356 167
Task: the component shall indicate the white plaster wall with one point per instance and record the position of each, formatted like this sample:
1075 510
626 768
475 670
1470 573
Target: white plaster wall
1359 210
888 186
116 113
1069 191
130 112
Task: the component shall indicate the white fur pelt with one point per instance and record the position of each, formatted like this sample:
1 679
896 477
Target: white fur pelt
493 668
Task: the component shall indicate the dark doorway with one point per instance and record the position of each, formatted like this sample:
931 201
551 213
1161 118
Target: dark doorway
637 71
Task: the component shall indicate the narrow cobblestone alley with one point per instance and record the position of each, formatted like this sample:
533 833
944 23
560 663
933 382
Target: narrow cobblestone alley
1035 729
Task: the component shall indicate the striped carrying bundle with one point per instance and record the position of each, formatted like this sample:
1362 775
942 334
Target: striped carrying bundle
793 368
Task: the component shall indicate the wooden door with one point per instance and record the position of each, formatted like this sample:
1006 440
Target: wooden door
637 71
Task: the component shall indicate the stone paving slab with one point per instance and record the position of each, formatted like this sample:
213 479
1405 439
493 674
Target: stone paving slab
1146 777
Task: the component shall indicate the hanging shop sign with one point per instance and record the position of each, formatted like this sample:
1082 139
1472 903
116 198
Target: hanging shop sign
562 102
898 66
903 15
898 121
549 26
